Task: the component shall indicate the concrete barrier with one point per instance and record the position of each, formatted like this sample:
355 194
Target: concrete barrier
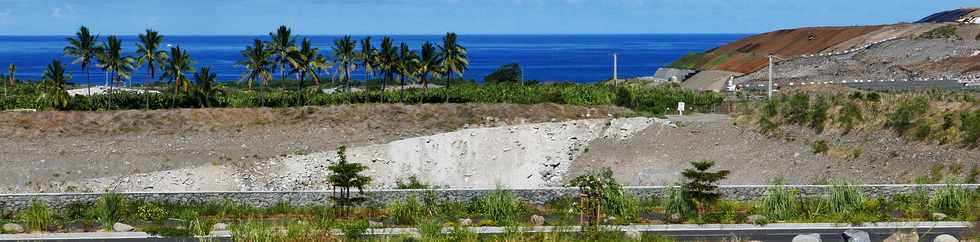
14 202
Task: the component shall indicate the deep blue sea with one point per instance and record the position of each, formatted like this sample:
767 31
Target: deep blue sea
578 58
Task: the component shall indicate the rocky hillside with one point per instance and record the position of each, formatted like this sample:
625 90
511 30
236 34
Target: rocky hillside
942 46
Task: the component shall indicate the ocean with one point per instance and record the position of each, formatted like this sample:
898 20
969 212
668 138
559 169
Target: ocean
576 58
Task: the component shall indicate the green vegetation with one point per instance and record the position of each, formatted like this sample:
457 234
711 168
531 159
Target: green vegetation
38 217
412 182
932 116
779 203
944 32
603 195
819 147
500 206
701 187
506 73
690 61
110 209
346 175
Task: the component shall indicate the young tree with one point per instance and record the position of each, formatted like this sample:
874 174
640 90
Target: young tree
346 175
600 193
702 185
205 85
53 85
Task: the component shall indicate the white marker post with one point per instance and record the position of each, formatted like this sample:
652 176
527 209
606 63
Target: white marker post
680 108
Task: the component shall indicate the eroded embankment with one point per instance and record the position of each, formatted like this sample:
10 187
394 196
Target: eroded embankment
46 150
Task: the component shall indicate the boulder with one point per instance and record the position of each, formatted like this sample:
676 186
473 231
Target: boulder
13 228
755 219
465 222
121 227
807 238
676 218
852 235
903 237
945 238
537 220
374 224
219 227
939 216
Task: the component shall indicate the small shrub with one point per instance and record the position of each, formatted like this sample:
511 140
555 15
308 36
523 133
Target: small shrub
430 229
37 217
354 230
797 108
819 147
905 114
412 182
767 127
970 128
818 115
944 32
151 213
850 114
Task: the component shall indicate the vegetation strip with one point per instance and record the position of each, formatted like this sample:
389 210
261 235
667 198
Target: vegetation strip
548 229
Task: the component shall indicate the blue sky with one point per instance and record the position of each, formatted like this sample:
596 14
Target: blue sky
309 17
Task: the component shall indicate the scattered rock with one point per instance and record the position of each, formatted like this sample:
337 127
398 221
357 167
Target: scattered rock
13 228
807 238
374 224
634 235
903 237
465 222
939 216
856 236
219 227
755 219
537 220
121 227
945 238
676 218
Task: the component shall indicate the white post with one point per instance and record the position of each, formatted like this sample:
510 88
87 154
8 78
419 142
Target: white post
770 76
615 68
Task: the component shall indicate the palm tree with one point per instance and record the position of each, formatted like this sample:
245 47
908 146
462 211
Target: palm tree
177 69
53 85
282 41
113 62
257 64
387 60
346 58
149 53
454 60
307 60
83 48
368 57
428 63
407 62
205 85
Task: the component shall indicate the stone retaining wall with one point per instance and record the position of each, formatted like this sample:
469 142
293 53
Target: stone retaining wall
14 202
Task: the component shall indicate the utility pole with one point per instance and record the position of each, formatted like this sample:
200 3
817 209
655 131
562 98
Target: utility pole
770 76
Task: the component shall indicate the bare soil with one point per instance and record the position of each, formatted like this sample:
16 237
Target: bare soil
48 147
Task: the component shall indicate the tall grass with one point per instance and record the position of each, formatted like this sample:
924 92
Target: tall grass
501 206
676 202
110 209
407 211
38 217
778 203
951 199
845 198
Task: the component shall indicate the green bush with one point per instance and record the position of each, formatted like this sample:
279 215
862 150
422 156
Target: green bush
408 211
970 128
150 212
796 109
818 115
905 115
676 202
819 147
38 217
354 230
850 114
944 32
412 182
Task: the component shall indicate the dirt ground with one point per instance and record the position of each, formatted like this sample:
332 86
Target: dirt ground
657 155
40 149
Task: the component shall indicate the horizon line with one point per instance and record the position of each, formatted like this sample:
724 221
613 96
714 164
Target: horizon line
461 34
